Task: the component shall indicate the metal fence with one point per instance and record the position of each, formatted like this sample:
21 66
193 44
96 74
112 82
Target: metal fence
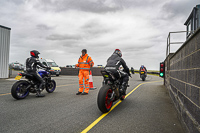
169 40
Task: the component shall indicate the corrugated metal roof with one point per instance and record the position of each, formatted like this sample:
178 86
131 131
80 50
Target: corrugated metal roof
5 27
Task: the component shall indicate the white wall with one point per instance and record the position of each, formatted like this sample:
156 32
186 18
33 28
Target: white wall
4 51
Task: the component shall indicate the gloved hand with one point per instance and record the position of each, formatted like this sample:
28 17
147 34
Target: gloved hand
91 65
48 68
130 75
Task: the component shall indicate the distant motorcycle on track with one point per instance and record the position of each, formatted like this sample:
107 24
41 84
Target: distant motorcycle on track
143 75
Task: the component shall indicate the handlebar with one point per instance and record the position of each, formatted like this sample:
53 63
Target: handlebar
46 69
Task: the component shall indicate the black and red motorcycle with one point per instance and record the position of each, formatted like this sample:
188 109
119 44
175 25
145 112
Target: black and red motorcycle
109 92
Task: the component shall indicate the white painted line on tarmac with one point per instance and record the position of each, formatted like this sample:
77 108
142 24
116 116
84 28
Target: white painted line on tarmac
11 79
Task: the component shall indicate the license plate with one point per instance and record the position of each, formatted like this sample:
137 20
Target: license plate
57 73
142 72
18 77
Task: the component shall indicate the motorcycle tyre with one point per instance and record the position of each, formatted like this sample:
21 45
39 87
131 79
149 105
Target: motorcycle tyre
14 87
101 99
50 91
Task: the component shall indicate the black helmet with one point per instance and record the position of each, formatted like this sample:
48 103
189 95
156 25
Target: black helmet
84 50
118 52
34 53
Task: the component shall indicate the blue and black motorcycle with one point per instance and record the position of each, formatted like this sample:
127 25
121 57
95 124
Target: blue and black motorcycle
22 88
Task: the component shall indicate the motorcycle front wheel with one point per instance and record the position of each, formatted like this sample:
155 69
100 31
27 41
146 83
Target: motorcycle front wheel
143 77
50 87
19 90
103 100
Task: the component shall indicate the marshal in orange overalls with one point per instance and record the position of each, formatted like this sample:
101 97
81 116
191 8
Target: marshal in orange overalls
84 64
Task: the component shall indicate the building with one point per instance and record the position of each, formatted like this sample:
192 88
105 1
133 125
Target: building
193 21
4 51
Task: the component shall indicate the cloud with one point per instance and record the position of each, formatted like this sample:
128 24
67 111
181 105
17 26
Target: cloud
177 8
63 37
43 27
61 29
94 29
95 6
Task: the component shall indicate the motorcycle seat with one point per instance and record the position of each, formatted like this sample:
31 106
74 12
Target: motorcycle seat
26 75
106 72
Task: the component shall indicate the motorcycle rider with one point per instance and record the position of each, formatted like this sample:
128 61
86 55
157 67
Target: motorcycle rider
143 69
113 64
132 70
31 68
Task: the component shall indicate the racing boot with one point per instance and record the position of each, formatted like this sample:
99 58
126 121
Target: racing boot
123 88
38 93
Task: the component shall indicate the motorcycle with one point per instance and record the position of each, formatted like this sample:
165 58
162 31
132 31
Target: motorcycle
109 92
22 88
143 75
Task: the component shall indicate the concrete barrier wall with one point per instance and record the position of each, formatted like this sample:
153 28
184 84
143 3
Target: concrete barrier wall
182 79
73 71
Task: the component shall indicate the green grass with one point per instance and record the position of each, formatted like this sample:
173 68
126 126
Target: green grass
149 73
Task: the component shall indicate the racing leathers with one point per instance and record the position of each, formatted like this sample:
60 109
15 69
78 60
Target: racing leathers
31 67
113 64
143 69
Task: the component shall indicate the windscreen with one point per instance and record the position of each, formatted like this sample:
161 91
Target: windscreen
52 64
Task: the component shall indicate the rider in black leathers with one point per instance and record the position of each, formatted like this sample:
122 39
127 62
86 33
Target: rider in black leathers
31 68
143 69
113 64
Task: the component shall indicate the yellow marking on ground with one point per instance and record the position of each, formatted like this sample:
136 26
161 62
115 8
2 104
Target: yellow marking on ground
56 87
65 85
103 115
5 94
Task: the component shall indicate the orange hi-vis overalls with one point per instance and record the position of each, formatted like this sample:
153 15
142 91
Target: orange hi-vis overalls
84 64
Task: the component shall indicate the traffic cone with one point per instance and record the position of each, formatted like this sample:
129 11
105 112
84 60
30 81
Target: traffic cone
91 82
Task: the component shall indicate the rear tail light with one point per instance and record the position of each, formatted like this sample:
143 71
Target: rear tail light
19 74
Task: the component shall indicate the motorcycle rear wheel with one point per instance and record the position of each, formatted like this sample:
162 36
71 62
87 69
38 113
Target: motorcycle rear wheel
18 90
103 99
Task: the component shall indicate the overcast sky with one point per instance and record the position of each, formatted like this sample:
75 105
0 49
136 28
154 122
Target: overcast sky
60 29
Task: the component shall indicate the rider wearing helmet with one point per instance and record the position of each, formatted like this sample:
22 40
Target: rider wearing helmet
31 68
113 64
143 69
132 70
